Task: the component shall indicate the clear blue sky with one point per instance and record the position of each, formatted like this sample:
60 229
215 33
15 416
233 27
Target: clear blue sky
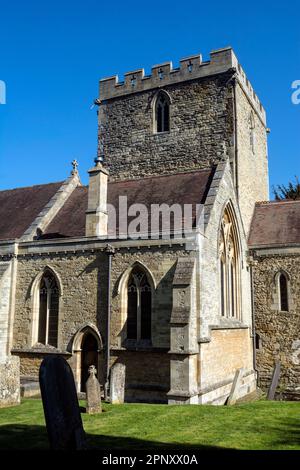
52 54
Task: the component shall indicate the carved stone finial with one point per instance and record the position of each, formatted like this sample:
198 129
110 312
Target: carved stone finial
75 166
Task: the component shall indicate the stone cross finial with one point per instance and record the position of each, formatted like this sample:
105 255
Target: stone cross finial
75 166
92 370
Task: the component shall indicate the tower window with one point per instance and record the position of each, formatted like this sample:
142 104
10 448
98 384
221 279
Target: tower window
162 113
283 293
258 344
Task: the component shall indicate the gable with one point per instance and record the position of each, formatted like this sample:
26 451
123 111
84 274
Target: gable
19 208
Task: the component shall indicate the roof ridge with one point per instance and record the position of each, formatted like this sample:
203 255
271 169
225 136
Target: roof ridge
283 201
32 186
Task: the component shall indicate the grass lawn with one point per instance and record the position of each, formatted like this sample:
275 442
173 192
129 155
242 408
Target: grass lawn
257 425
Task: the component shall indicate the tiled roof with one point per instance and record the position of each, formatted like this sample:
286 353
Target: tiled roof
184 188
19 208
275 223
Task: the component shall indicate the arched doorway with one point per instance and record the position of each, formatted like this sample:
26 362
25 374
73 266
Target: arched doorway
87 349
89 357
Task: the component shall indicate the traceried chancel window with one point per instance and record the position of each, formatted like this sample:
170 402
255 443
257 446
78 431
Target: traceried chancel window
229 268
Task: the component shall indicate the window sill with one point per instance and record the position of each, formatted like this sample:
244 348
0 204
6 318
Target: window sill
232 322
162 133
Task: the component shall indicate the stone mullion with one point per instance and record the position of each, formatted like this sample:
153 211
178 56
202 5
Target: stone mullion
47 315
139 313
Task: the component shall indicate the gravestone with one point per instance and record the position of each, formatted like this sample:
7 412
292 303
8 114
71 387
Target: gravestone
117 383
234 392
93 393
274 382
61 408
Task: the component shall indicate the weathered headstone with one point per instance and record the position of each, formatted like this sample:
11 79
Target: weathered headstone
274 381
61 408
93 393
117 383
233 396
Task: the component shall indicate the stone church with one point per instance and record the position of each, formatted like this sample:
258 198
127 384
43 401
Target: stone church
181 310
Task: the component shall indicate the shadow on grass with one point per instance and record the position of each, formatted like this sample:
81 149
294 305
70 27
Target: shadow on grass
24 437
286 435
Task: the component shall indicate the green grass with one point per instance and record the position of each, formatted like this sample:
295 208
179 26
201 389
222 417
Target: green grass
257 425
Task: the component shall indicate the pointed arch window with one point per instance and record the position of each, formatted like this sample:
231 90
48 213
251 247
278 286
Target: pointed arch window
48 310
162 113
139 306
229 266
283 293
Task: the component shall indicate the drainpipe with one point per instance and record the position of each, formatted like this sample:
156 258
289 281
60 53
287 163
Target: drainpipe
110 252
253 320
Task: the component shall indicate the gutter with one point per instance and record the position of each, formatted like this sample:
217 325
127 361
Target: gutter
110 252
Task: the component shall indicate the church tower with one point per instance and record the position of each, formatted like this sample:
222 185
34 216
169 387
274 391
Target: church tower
187 118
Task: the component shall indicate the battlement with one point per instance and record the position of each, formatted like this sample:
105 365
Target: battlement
191 68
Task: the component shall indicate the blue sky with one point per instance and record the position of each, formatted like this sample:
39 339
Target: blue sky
53 53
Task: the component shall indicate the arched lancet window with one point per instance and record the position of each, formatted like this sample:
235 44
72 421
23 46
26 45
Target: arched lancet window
229 266
48 310
222 275
283 293
252 132
162 113
139 303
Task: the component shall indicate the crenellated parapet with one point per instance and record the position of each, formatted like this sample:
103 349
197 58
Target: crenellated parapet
191 68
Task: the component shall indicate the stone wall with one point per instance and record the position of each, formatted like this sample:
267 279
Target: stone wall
200 122
147 376
228 351
83 283
5 290
252 167
9 381
279 332
80 300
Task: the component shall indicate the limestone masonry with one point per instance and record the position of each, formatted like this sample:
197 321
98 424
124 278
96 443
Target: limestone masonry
166 319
